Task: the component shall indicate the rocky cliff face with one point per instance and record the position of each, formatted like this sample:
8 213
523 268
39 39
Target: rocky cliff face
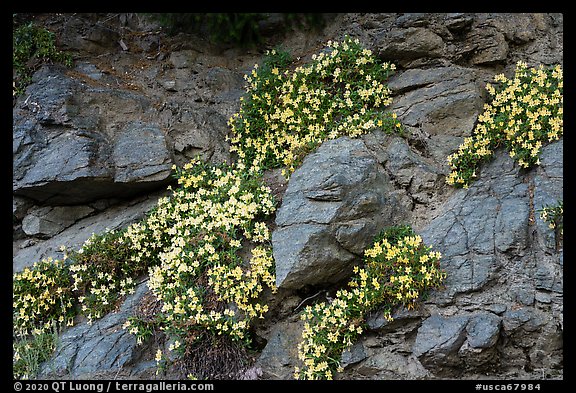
93 148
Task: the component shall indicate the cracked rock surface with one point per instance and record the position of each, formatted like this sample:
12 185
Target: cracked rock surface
335 203
93 147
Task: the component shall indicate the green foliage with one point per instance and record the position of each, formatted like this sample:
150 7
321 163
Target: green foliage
206 247
524 114
30 352
398 271
32 46
103 273
42 302
208 217
287 112
41 296
231 27
554 216
204 285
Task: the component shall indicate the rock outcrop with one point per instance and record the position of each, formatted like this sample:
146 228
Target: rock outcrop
75 143
335 203
103 350
501 308
93 148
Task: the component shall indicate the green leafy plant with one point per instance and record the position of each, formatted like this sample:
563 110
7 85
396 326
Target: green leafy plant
524 113
52 293
398 271
206 247
204 285
554 216
103 273
288 113
31 351
42 303
41 296
32 46
231 27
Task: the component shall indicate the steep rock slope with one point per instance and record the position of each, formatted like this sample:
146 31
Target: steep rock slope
93 148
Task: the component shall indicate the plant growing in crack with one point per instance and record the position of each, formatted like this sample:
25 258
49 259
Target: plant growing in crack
206 247
399 270
524 114
553 215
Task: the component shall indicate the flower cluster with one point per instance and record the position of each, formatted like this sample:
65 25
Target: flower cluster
102 273
288 113
524 114
399 269
95 277
554 216
198 234
206 247
30 352
41 296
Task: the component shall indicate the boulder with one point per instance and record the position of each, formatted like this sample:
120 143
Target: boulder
48 221
445 344
407 44
439 339
334 205
75 142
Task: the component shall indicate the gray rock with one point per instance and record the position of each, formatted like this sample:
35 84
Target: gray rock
280 356
186 58
49 221
439 339
200 132
169 85
219 84
90 70
548 274
548 190
352 355
483 330
446 345
523 294
480 360
141 154
20 207
413 19
524 318
409 44
74 142
441 102
488 45
511 226
468 274
497 308
411 171
103 350
334 205
376 321
117 216
300 251
457 22
387 364
474 225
